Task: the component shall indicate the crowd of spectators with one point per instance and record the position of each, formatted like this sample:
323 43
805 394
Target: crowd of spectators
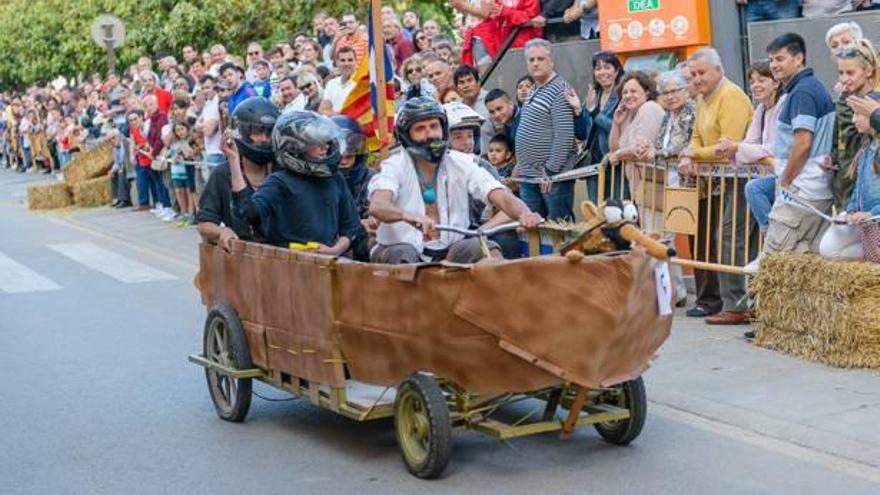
170 121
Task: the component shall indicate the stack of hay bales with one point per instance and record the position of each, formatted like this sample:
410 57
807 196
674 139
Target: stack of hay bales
92 192
49 196
826 311
85 182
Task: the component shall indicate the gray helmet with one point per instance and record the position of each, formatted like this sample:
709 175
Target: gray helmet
415 110
297 131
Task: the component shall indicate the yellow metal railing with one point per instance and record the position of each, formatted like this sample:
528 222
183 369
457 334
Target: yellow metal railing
708 205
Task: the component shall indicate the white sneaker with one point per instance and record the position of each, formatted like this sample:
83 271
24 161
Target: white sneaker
168 215
158 209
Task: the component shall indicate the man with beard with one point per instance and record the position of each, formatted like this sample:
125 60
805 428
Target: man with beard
253 120
423 185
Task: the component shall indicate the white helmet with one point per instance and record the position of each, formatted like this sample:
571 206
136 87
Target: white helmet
463 117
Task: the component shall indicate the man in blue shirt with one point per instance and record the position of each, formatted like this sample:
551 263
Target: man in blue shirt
803 142
239 89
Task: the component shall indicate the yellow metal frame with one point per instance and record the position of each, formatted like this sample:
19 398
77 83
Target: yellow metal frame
713 181
599 413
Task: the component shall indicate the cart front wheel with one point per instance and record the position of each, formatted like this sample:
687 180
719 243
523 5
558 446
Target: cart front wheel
630 396
225 344
421 421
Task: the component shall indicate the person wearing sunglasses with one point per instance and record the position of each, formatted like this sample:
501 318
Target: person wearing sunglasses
422 41
858 74
311 92
352 37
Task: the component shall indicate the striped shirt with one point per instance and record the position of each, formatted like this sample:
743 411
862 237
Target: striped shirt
545 136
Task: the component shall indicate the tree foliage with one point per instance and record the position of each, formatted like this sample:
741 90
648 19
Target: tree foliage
43 39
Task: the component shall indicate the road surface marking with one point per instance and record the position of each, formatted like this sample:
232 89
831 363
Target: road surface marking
110 263
129 244
841 464
16 278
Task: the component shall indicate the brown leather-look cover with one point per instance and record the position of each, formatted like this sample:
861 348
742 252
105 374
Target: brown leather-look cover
510 326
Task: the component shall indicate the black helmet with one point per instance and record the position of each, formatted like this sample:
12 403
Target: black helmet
415 110
297 131
254 115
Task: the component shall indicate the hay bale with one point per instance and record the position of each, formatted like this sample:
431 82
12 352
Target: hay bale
48 196
89 164
826 311
92 192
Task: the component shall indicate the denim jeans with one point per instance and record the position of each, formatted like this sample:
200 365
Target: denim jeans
28 157
143 181
771 10
554 205
160 192
760 194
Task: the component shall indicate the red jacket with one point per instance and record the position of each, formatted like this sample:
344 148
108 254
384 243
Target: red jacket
493 31
164 98
142 148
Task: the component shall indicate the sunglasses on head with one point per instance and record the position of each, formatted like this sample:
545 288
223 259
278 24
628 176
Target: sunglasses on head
853 52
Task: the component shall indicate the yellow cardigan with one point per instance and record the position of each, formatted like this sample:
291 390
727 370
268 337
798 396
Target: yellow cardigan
727 113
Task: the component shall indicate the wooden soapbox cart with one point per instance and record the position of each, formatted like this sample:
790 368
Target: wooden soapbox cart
437 346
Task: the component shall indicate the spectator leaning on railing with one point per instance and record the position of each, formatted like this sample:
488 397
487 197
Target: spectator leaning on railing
803 143
723 111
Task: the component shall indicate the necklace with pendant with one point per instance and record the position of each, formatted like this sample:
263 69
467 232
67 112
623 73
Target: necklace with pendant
429 191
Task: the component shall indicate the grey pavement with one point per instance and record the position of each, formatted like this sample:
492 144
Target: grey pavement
98 397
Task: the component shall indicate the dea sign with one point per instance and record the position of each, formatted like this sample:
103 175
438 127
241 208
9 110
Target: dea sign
108 31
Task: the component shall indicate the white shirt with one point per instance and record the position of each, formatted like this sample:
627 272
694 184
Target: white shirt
212 112
459 178
298 104
337 91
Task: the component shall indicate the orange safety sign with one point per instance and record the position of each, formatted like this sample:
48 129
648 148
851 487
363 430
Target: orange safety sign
644 25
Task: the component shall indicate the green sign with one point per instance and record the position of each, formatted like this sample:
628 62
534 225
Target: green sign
643 5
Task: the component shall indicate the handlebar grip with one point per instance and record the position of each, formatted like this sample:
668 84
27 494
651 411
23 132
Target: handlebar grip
654 247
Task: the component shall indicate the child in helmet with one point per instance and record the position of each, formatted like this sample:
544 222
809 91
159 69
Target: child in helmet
306 199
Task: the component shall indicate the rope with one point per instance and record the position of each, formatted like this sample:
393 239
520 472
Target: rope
578 173
162 159
789 197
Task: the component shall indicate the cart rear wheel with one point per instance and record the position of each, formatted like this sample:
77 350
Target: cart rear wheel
224 343
631 396
421 421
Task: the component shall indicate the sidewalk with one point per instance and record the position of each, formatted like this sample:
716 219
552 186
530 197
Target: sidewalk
703 374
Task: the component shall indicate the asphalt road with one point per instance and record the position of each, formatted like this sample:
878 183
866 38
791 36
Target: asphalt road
98 312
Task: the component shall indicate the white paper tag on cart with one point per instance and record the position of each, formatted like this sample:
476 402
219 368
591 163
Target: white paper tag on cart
664 288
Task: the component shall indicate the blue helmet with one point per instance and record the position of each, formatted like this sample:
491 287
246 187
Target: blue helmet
355 140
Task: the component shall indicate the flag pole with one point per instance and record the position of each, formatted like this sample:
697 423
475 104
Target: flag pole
378 43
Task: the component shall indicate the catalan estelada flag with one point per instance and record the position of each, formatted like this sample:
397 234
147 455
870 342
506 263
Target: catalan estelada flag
362 103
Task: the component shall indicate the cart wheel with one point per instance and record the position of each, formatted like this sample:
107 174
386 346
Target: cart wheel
421 421
632 397
225 344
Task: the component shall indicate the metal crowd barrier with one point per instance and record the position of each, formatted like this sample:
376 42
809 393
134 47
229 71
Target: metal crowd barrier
709 207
